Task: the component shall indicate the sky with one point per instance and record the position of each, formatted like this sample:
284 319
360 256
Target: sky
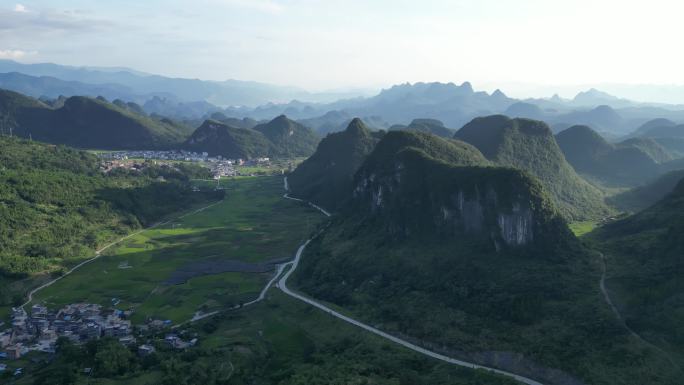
521 46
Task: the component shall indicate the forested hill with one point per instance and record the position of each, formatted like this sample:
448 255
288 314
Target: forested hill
530 145
289 138
87 123
218 138
628 163
442 247
56 207
326 177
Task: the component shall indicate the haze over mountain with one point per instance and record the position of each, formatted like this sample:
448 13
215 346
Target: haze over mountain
452 104
45 79
87 123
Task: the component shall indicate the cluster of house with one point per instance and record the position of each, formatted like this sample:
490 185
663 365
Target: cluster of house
80 322
176 155
219 166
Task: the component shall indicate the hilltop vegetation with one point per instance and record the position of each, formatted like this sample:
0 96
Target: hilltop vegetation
281 138
86 123
231 142
431 126
290 139
628 163
56 207
326 177
440 247
529 145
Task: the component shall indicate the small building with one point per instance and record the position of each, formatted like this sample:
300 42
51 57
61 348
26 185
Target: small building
145 350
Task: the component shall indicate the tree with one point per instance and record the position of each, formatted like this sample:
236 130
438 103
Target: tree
112 359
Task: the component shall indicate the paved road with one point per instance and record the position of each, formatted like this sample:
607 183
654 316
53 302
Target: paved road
282 284
98 253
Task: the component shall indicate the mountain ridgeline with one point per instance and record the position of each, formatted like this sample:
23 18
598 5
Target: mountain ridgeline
289 138
280 137
529 145
326 177
86 123
628 163
432 126
217 138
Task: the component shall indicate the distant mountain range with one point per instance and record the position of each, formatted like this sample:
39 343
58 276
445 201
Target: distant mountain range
52 80
454 105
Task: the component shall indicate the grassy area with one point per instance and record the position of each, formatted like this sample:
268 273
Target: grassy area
253 224
581 228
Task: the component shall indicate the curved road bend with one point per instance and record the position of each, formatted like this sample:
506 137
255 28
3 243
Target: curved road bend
282 284
98 253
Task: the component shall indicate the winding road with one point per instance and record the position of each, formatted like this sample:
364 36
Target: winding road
282 285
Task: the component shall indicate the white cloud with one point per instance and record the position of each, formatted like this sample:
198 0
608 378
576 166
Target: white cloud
14 53
268 6
20 8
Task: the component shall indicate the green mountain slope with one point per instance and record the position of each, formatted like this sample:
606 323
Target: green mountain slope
650 147
472 260
530 146
644 196
628 163
289 138
644 258
581 146
326 177
56 207
230 142
87 123
430 126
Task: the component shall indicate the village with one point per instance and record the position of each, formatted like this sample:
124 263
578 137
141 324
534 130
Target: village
219 166
79 323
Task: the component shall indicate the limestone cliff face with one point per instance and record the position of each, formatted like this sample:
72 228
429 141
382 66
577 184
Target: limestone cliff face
451 201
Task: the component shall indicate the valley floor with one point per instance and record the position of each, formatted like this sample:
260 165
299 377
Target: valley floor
275 341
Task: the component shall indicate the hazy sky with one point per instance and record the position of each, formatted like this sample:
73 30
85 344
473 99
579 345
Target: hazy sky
325 44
